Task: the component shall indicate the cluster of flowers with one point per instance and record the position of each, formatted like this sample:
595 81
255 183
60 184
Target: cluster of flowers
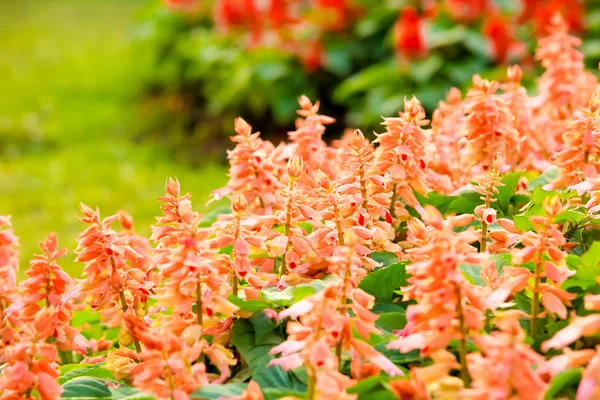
298 26
304 210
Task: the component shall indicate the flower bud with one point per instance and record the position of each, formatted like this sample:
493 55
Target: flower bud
489 215
497 161
239 203
295 166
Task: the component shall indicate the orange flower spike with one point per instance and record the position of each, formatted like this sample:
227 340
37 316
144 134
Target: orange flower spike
195 272
306 142
443 311
9 293
580 158
31 362
488 127
402 154
488 188
505 365
256 167
48 283
546 241
565 86
447 150
113 282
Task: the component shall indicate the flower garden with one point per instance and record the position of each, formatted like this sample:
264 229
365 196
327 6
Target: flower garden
455 254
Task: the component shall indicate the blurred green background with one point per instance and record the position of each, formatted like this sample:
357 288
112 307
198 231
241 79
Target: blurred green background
69 121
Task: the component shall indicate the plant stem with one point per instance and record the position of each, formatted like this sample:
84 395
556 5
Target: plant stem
535 303
235 238
483 244
462 346
124 305
312 383
393 202
288 222
484 225
199 302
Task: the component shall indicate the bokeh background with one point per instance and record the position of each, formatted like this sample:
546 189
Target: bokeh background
101 100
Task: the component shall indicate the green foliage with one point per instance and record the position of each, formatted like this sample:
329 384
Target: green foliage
383 282
359 80
563 383
254 348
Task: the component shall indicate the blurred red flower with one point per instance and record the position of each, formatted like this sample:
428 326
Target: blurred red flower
410 34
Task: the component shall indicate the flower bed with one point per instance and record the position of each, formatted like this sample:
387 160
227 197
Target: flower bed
457 261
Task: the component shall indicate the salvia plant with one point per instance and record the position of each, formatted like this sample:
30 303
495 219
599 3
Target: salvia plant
455 258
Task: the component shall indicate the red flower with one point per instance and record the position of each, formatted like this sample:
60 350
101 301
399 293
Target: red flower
409 34
500 36
541 12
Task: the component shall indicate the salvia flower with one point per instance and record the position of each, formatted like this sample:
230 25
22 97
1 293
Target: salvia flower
402 154
32 362
255 169
112 282
48 285
194 273
506 366
543 247
448 307
580 158
488 127
307 142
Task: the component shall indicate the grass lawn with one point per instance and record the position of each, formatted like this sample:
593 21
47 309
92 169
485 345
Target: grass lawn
67 113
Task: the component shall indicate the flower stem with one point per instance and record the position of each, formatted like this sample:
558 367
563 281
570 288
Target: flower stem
199 302
312 383
393 202
535 303
484 225
483 244
124 305
288 222
462 346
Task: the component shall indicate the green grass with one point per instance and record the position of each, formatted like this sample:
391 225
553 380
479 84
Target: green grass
67 115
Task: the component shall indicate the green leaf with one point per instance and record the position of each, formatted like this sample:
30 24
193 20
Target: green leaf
384 281
395 356
391 321
278 393
545 178
539 195
249 305
510 181
256 353
472 273
439 201
123 392
523 223
384 257
365 385
71 371
501 260
422 71
586 269
476 43
569 378
214 392
465 203
263 325
85 386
